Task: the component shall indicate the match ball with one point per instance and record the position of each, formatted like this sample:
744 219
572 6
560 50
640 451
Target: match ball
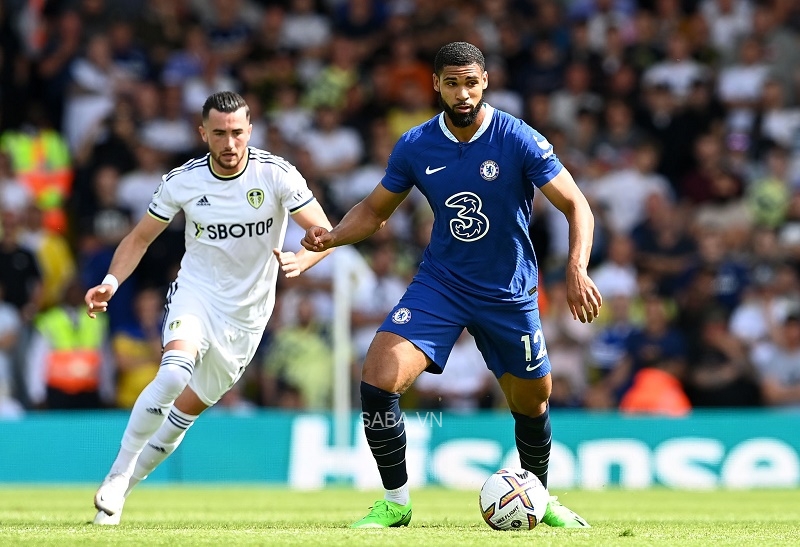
513 499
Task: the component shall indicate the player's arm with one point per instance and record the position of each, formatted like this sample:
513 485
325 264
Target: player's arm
127 256
293 264
582 295
364 219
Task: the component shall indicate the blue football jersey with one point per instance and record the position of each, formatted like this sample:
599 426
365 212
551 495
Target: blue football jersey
481 193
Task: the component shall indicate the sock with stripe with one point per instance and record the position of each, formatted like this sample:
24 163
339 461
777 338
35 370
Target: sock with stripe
161 445
534 436
386 436
152 407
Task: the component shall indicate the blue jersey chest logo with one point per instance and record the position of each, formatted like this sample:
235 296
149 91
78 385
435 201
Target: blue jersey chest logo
490 170
470 223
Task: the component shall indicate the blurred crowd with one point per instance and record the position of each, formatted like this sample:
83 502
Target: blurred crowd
679 119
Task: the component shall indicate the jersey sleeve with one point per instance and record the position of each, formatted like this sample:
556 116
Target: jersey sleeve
541 164
293 190
163 206
396 179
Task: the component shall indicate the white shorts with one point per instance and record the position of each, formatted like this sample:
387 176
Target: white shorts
223 349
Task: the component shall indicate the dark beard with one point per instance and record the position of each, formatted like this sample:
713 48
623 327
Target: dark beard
461 120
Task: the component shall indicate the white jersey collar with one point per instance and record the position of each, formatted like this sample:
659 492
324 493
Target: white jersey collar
481 130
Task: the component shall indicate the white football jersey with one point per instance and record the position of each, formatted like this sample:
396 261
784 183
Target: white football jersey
232 225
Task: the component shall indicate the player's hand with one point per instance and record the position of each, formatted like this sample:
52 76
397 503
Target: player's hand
97 299
288 261
317 239
583 297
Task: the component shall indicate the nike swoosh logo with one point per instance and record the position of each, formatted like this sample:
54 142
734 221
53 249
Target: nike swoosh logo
530 368
429 171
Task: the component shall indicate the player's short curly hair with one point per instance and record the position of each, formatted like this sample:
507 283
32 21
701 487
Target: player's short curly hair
225 101
458 54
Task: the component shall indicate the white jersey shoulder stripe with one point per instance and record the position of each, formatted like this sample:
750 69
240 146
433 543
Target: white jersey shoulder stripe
293 210
160 218
188 166
274 160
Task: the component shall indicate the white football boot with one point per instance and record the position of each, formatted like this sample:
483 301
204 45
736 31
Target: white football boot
102 519
110 497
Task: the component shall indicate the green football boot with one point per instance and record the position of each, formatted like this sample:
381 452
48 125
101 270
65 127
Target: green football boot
385 514
559 516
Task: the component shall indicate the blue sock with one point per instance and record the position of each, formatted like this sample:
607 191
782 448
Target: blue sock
534 436
386 434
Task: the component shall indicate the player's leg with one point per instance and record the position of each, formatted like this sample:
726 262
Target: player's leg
391 365
419 332
220 367
527 400
528 404
185 340
165 440
148 414
511 340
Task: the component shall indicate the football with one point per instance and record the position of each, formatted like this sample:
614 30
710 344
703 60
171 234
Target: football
513 499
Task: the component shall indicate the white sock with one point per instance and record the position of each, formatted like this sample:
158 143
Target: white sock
398 495
131 483
163 443
152 406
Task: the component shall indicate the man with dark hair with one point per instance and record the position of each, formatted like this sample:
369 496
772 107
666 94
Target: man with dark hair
478 168
236 200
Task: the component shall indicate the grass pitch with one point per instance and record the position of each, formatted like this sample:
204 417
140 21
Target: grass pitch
264 516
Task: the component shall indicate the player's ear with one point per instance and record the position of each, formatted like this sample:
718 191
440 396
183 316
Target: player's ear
485 79
436 83
202 131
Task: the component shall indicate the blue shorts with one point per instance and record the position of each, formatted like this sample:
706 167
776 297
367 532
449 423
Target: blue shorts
509 334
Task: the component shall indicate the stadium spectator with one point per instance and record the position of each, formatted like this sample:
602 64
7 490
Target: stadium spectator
69 366
624 191
52 251
678 70
769 193
729 274
729 21
719 372
14 195
62 47
656 344
10 331
576 95
740 85
607 348
656 390
778 364
502 96
664 248
96 82
40 159
780 43
171 131
616 275
136 347
19 270
136 187
376 296
567 343
334 148
298 363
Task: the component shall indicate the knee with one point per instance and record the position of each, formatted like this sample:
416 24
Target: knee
529 397
175 372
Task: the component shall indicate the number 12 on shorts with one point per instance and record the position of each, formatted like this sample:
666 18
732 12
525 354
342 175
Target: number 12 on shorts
538 342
